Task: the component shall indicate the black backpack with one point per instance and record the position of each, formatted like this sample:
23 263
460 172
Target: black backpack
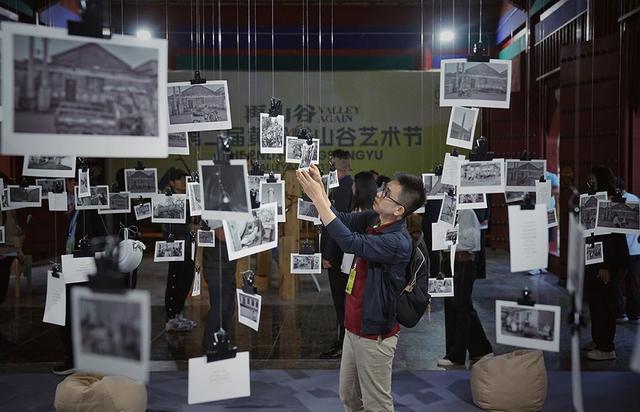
415 298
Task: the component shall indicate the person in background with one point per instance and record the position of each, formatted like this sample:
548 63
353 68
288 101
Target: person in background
341 198
364 191
375 174
601 279
463 330
382 180
11 248
180 275
630 279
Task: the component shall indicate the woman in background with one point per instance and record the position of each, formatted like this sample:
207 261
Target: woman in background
364 191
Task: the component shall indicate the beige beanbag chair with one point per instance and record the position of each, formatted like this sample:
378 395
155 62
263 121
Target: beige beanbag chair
85 392
515 381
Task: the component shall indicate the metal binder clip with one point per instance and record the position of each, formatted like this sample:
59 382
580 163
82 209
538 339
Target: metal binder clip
84 248
526 299
276 107
479 53
525 155
305 134
222 348
224 153
481 150
197 79
617 198
437 170
454 153
574 201
139 165
204 225
171 238
56 270
272 178
256 168
83 164
592 239
542 179
248 282
168 192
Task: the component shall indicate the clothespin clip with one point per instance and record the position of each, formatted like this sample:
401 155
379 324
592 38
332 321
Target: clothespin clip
224 153
479 53
248 280
256 169
91 22
306 247
195 177
542 179
591 240
527 203
276 107
222 348
437 170
84 248
171 238
272 178
56 269
617 198
139 166
451 193
23 184
197 79
58 188
440 276
526 299
204 224
304 133
83 164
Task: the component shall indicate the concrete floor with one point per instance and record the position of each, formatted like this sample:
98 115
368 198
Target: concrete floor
292 333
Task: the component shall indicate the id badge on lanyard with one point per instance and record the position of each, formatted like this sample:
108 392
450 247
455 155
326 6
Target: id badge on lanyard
352 277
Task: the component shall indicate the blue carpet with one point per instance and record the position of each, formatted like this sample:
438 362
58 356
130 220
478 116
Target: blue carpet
317 390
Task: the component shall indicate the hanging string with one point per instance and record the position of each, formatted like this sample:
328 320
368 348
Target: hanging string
332 72
422 75
303 60
469 28
480 36
191 19
528 101
220 41
320 56
433 117
255 74
273 81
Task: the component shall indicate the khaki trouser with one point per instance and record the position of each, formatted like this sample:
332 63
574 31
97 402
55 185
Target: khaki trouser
365 373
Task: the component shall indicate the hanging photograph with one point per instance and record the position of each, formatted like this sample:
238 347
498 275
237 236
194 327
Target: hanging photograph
462 126
435 187
471 201
475 84
169 251
307 211
589 210
441 288
206 238
49 166
246 238
482 177
51 185
274 192
451 236
119 202
2 235
448 210
141 182
534 327
294 150
332 179
249 305
83 183
179 143
225 190
512 197
254 182
593 253
309 152
198 107
271 134
97 199
614 217
5 201
111 332
24 196
142 211
552 218
523 174
306 264
83 96
169 208
195 198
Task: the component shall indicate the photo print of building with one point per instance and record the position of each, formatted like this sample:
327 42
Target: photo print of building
249 307
67 88
29 196
49 166
195 107
535 327
475 84
169 208
462 126
141 182
589 210
481 176
119 202
179 143
522 174
618 217
98 198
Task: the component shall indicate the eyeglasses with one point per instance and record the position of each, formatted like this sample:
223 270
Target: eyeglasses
386 194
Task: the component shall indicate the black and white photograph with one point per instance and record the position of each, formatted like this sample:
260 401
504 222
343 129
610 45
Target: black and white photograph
195 198
332 180
593 253
142 211
141 182
98 198
198 107
119 202
451 236
475 84
83 96
29 196
306 263
169 251
83 183
5 201
254 187
111 332
246 238
512 197
169 208
271 192
309 152
522 174
225 190
249 306
2 235
462 127
307 211
534 327
179 143
206 238
471 201
615 217
271 134
441 288
552 218
51 185
294 150
49 166
448 210
433 187
482 176
589 210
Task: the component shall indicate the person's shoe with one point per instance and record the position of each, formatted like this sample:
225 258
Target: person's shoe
589 346
599 355
622 319
176 325
190 323
444 362
535 272
63 369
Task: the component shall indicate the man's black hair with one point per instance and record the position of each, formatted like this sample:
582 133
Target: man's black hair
341 154
412 194
382 179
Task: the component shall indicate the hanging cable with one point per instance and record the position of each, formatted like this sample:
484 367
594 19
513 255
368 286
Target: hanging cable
422 75
273 80
220 40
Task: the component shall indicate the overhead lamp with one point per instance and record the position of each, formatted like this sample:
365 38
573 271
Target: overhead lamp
143 34
446 36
